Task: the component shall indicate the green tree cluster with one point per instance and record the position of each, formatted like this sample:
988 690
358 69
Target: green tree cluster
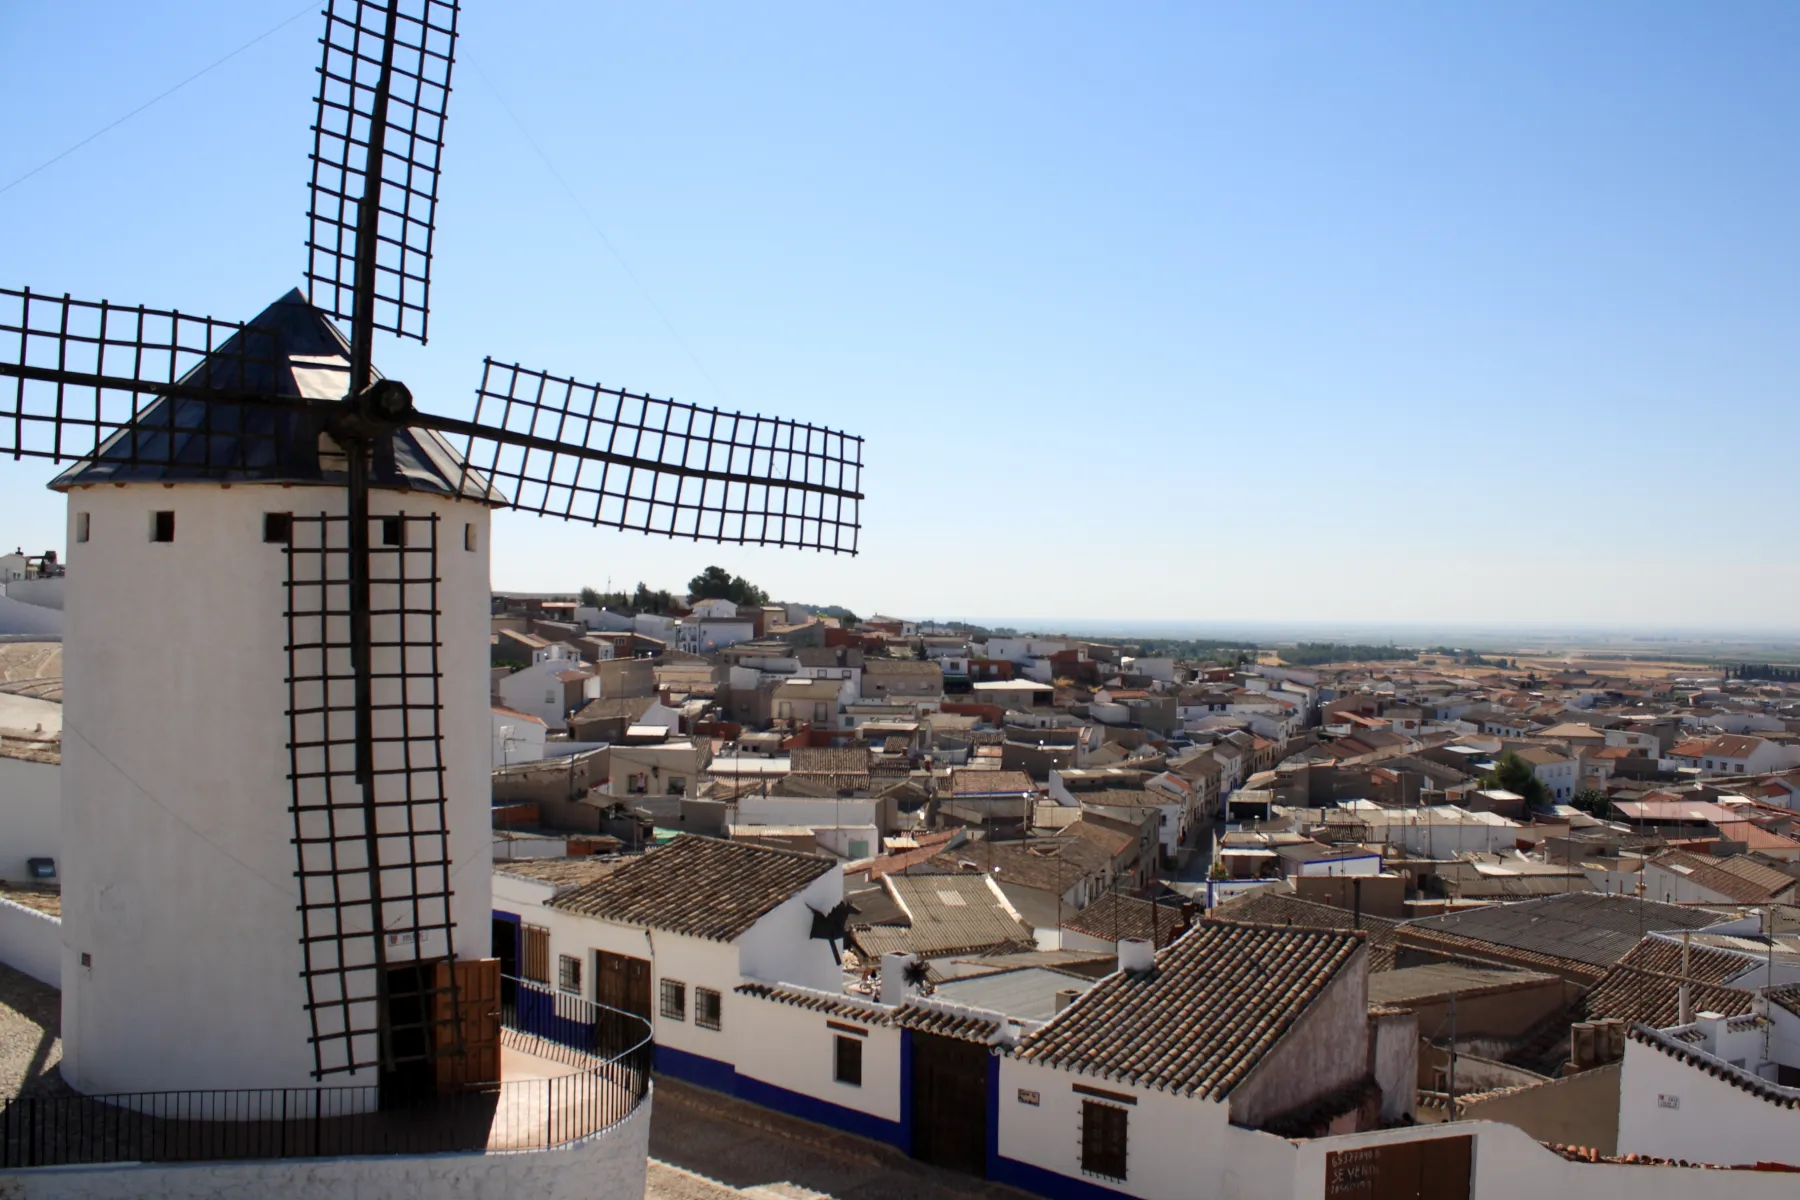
644 599
1515 775
716 583
1768 671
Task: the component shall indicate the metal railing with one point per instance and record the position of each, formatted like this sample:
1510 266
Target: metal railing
608 1053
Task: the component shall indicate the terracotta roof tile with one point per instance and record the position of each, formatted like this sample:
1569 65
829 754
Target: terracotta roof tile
698 886
1204 1015
1113 916
1645 985
1269 906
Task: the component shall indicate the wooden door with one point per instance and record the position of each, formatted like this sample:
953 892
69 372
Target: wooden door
475 1012
1428 1169
949 1102
621 984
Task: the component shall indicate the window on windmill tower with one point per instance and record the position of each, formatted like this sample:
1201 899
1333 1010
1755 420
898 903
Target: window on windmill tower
81 527
162 526
469 536
393 531
278 528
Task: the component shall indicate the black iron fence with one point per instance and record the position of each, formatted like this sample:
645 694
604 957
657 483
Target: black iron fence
607 1053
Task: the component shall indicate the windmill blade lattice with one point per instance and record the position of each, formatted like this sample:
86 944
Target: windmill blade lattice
388 61
83 375
582 452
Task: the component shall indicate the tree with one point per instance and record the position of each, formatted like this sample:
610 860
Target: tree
1592 802
716 583
592 599
1514 774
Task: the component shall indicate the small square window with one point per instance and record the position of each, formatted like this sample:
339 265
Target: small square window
568 973
469 536
706 1008
674 1000
393 531
162 527
848 1068
81 527
278 528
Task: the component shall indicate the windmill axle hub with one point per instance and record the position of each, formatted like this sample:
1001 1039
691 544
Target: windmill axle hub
378 409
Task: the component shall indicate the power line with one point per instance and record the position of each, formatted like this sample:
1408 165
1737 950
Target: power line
594 224
163 95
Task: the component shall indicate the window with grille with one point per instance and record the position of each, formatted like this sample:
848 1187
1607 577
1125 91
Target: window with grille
535 963
1103 1139
849 1061
674 1000
568 973
706 1008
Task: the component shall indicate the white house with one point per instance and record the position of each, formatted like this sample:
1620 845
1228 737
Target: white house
1559 773
518 736
552 687
670 936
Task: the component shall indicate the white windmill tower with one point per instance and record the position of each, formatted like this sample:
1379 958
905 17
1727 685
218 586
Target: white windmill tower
276 839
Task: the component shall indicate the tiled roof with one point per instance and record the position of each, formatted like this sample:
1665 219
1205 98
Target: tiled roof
1203 1016
965 782
1463 980
1113 916
1583 927
1645 985
963 1026
698 886
954 912
1270 906
848 1007
579 870
1788 996
818 760
1743 880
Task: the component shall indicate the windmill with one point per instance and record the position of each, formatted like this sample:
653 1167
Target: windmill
368 598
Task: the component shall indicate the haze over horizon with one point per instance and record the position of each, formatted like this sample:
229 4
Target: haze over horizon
1418 315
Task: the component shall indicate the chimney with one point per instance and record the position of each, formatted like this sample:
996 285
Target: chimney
1065 998
1685 1016
894 988
1712 1028
1136 954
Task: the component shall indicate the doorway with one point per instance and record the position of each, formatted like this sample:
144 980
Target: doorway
621 983
949 1102
506 949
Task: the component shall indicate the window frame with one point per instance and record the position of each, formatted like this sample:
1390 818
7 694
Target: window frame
1098 1156
568 974
853 1061
672 988
716 1022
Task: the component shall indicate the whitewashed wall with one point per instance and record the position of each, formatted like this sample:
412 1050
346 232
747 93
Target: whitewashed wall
780 948
608 1166
31 941
1713 1121
792 1048
178 871
30 815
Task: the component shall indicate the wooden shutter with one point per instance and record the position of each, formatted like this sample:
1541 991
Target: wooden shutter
536 960
1103 1139
476 1012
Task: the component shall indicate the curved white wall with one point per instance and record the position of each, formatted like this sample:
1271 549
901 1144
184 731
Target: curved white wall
178 872
608 1166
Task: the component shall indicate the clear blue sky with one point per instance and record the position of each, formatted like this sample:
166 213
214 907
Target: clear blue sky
1404 311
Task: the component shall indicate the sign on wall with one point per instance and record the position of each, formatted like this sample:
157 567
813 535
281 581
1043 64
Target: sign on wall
1429 1169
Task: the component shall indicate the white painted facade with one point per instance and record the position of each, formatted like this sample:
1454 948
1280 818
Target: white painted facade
31 941
1676 1109
537 691
518 737
610 1165
181 960
30 816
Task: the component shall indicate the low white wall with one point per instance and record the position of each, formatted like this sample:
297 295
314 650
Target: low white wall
31 941
30 815
1674 1109
795 1048
607 1166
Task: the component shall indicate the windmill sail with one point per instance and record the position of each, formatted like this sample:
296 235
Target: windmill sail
384 91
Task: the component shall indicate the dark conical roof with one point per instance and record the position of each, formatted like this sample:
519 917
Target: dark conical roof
310 357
